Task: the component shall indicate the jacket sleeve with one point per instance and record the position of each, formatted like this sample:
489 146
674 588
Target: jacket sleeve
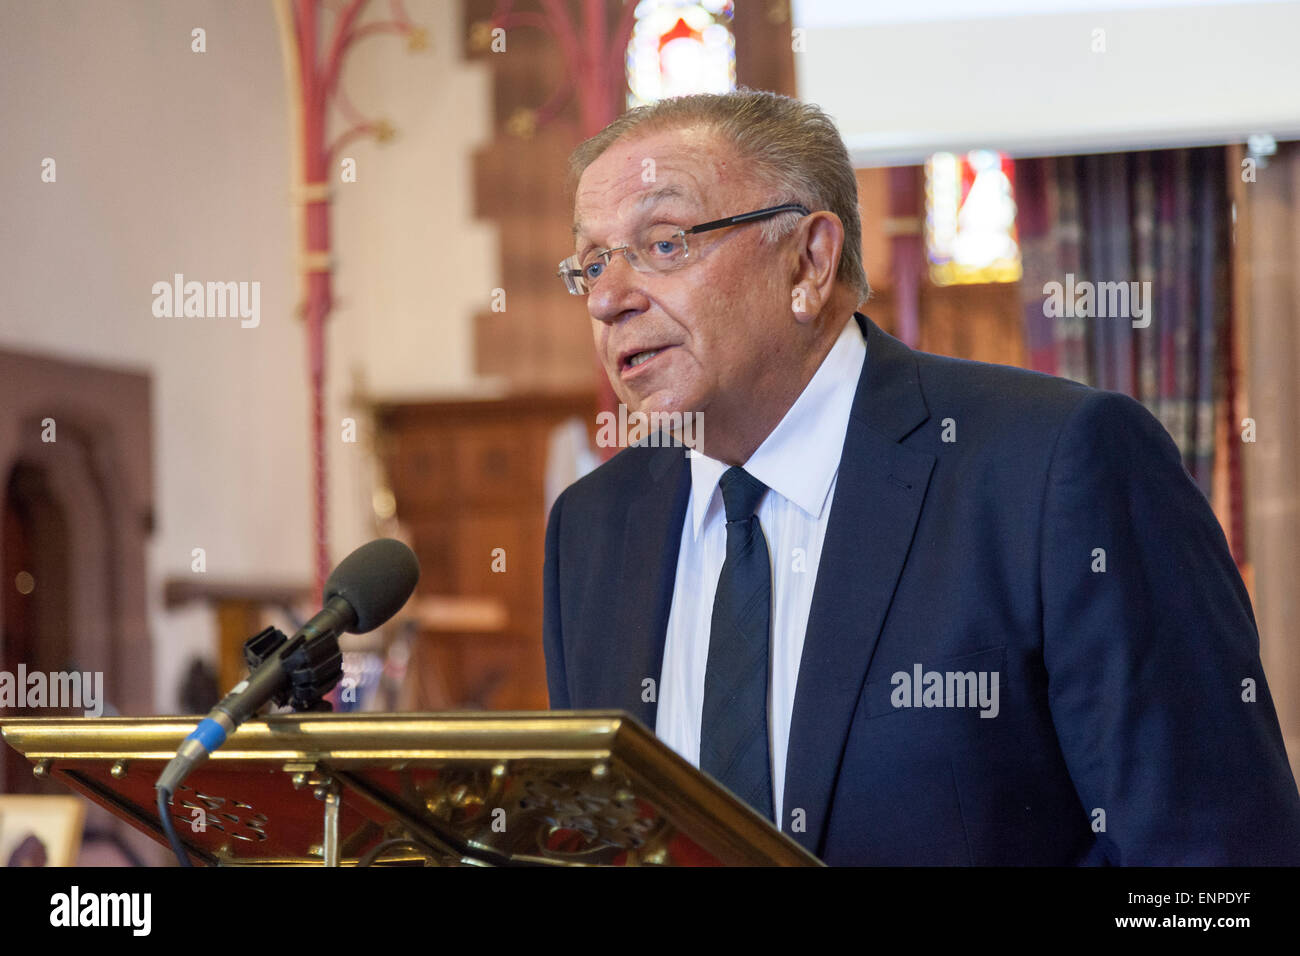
552 638
1155 684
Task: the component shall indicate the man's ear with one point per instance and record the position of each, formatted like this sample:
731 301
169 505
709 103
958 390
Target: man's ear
820 239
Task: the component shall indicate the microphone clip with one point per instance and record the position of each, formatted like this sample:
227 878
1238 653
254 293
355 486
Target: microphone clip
312 666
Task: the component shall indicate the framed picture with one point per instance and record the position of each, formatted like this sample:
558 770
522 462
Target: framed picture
40 831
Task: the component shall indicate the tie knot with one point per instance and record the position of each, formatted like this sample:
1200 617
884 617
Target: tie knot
741 493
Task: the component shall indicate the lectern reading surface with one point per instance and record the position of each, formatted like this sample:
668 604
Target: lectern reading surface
473 788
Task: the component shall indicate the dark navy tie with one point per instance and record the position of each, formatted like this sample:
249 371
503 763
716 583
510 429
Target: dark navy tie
733 732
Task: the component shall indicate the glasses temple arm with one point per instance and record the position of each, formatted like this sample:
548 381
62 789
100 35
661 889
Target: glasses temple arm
749 217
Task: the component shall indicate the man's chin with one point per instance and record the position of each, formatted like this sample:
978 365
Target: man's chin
659 413
657 403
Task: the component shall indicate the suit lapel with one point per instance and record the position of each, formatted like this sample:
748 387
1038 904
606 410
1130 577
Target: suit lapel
878 497
652 537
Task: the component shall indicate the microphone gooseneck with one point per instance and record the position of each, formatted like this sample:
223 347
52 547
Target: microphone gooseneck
367 588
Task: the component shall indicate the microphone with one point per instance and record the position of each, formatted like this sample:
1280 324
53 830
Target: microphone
368 587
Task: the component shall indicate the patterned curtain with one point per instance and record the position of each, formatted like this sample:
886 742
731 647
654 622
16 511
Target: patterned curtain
1159 222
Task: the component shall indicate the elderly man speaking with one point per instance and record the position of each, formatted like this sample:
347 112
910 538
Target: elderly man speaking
911 609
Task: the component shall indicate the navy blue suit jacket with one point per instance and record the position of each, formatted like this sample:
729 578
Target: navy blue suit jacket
1127 731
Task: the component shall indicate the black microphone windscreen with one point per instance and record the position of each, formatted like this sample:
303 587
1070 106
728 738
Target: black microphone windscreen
376 580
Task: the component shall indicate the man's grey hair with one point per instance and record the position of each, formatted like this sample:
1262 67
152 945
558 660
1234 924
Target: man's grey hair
795 148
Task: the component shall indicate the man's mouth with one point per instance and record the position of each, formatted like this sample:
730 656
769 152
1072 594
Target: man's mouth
640 357
634 360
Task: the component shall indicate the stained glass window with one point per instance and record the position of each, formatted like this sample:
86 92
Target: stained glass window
680 47
970 218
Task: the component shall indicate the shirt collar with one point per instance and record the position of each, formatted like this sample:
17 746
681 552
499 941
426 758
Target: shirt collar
799 458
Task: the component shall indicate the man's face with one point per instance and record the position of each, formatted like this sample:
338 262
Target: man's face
722 319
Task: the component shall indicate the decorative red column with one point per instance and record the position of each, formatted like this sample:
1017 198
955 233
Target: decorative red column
313 60
907 248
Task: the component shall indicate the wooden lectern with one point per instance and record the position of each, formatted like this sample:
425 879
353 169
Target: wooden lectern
555 788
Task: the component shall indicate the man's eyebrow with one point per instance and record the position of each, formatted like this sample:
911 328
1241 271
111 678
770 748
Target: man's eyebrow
663 192
648 199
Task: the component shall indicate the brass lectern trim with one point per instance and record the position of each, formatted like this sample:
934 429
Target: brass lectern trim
572 787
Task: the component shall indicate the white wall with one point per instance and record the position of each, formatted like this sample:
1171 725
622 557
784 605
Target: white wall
903 80
171 161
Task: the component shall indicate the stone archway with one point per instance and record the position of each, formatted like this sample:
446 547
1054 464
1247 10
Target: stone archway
76 472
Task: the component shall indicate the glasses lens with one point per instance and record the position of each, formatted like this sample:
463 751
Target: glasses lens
592 266
662 248
570 272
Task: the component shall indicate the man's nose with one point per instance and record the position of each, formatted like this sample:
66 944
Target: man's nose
618 292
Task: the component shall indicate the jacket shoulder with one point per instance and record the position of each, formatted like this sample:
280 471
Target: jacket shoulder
609 488
998 387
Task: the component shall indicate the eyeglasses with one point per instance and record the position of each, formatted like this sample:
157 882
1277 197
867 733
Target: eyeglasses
661 248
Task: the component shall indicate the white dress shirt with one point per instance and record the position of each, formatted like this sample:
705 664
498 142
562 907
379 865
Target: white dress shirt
799 462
